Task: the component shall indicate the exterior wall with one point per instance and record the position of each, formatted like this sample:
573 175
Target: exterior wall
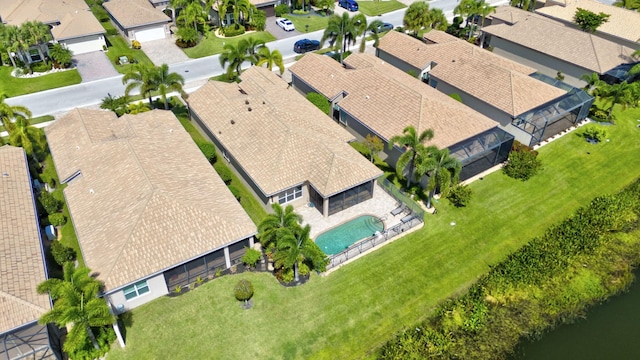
400 64
304 199
157 288
545 64
84 44
152 32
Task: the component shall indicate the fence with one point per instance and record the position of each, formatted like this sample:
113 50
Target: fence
394 192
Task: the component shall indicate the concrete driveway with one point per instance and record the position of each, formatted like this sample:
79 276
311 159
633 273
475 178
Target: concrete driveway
277 31
164 51
94 66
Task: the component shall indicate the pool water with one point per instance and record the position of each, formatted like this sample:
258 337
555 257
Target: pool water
339 238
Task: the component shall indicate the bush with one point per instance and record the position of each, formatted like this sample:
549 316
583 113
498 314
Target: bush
235 192
319 101
100 13
135 44
243 290
282 9
361 148
455 97
251 257
42 66
225 174
57 219
300 12
595 132
112 32
522 163
61 254
259 21
50 204
233 30
209 151
460 195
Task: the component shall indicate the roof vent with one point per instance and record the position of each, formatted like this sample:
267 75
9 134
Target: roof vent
332 76
219 132
263 102
5 174
249 108
366 97
170 130
77 147
233 121
91 191
246 102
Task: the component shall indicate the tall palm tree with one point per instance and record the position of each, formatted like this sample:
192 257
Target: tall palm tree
141 77
417 17
412 143
234 55
9 113
621 93
343 31
167 82
252 45
76 302
28 137
438 19
272 226
270 58
36 34
484 9
295 247
442 168
15 44
193 14
592 80
374 29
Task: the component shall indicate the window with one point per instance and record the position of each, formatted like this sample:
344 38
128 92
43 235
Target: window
135 290
290 195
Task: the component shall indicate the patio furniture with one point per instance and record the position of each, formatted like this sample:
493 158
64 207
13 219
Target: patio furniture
407 218
398 210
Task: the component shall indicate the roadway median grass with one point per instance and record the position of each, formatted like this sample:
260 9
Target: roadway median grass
12 86
354 310
211 44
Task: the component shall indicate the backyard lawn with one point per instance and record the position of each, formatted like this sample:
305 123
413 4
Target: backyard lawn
12 86
373 8
354 310
118 46
212 44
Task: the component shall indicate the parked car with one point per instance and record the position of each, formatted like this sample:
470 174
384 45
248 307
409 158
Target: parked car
304 45
385 27
351 5
285 24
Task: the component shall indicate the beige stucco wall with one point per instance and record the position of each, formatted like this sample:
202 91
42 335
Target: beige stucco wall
157 288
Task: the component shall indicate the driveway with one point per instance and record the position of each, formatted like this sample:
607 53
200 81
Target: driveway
164 51
277 31
94 66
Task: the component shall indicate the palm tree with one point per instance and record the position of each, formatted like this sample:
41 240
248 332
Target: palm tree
628 4
326 5
484 9
76 302
343 31
36 34
9 113
193 13
442 168
374 30
417 17
412 143
140 76
28 137
621 94
438 19
235 56
592 80
527 5
271 58
295 247
137 108
251 46
116 104
168 81
272 226
14 43
60 55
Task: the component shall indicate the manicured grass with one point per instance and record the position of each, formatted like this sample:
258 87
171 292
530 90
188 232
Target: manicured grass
373 8
12 86
315 22
351 312
212 44
118 46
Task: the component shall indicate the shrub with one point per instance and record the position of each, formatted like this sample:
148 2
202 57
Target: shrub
112 32
455 97
50 204
49 176
62 254
231 31
57 219
282 9
42 66
135 44
303 269
235 192
320 102
209 151
460 195
100 13
595 132
361 148
522 165
598 114
243 290
300 12
251 257
225 174
258 21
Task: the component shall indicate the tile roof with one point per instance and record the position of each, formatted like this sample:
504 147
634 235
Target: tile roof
493 79
387 100
438 37
622 23
22 264
132 13
74 16
557 40
146 198
284 140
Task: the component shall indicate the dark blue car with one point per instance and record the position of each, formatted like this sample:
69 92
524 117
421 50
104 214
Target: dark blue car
351 5
304 45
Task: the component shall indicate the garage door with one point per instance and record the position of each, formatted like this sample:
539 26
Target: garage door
150 34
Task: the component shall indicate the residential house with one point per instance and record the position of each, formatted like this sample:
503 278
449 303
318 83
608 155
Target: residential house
371 96
503 90
22 266
138 19
284 147
72 23
268 6
551 47
149 211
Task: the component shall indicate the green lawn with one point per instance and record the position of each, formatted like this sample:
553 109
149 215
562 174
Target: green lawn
118 46
373 8
351 312
12 86
212 44
315 22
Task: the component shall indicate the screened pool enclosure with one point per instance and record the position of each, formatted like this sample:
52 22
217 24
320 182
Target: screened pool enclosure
482 152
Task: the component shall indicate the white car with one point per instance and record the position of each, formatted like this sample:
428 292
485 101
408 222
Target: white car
285 24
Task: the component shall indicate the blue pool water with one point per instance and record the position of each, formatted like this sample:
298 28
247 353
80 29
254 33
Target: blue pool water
339 238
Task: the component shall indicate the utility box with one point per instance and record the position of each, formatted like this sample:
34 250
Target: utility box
50 231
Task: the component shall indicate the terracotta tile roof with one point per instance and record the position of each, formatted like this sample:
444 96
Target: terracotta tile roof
132 13
21 267
622 23
557 40
284 140
387 100
146 198
493 79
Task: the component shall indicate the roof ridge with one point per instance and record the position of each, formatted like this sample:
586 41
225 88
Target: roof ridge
595 53
21 300
513 95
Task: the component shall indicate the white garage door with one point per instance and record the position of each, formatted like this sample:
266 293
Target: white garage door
150 34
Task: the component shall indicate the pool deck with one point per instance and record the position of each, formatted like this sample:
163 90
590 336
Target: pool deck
380 206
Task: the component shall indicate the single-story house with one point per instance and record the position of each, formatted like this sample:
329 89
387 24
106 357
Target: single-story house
149 211
284 147
552 47
499 88
623 26
138 19
371 96
268 6
22 266
72 23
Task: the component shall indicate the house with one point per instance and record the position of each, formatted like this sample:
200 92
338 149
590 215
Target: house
72 23
22 266
623 26
284 147
149 211
499 88
138 19
268 6
371 96
551 47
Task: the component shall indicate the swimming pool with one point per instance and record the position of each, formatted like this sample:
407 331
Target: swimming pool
341 237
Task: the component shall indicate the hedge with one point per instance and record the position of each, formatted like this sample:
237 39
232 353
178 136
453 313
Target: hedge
209 151
225 174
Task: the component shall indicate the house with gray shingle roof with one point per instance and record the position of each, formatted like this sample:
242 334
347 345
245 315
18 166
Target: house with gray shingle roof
23 264
497 87
149 211
138 19
285 148
371 96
